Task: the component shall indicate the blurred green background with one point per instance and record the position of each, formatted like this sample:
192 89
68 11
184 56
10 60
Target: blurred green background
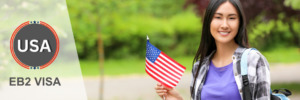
124 24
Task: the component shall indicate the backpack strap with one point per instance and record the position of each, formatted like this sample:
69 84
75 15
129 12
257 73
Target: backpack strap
244 59
286 92
244 72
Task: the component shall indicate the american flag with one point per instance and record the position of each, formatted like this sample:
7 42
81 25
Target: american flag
161 67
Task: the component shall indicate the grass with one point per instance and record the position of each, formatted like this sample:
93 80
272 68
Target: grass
283 55
115 67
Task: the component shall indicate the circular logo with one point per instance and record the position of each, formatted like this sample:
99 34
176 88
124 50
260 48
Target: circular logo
34 45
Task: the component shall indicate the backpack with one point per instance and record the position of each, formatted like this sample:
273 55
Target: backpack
278 94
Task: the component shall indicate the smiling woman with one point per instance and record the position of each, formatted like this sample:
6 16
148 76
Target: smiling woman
225 23
216 71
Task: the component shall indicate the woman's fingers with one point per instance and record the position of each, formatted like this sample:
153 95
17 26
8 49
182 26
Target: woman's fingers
159 87
159 84
161 93
169 93
169 89
160 90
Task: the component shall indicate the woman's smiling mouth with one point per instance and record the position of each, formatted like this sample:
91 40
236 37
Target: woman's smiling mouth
224 33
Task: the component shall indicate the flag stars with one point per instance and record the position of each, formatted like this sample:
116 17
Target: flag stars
152 52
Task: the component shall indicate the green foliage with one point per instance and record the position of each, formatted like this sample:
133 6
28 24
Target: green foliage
129 36
125 24
267 35
293 3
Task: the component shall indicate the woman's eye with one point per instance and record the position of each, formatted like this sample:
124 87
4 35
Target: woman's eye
232 18
218 17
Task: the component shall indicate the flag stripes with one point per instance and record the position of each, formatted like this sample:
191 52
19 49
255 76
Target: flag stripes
161 76
173 62
163 63
157 69
159 79
164 70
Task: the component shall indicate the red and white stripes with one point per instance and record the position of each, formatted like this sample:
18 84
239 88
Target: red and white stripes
165 70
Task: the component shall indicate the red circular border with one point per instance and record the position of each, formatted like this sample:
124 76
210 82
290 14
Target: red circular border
13 37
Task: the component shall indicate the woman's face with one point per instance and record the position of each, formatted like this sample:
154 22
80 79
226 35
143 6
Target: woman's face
225 23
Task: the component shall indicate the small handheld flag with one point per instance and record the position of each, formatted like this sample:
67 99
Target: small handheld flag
161 67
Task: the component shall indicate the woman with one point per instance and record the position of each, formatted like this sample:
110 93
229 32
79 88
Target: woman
216 73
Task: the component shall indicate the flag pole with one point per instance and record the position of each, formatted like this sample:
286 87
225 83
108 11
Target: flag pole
164 98
147 38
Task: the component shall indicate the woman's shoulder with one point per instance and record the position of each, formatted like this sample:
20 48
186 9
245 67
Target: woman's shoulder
255 57
204 62
254 53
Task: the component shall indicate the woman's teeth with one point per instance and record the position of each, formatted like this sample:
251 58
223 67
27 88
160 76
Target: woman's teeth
224 33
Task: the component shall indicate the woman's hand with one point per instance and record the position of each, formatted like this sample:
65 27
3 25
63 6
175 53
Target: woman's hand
167 93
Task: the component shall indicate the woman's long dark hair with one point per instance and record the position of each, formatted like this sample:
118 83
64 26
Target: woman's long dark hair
207 42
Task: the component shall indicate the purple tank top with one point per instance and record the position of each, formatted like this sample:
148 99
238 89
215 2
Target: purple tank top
220 84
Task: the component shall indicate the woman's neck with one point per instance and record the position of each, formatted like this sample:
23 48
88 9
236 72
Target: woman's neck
224 52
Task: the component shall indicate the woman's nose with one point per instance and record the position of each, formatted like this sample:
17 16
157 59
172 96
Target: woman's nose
224 25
